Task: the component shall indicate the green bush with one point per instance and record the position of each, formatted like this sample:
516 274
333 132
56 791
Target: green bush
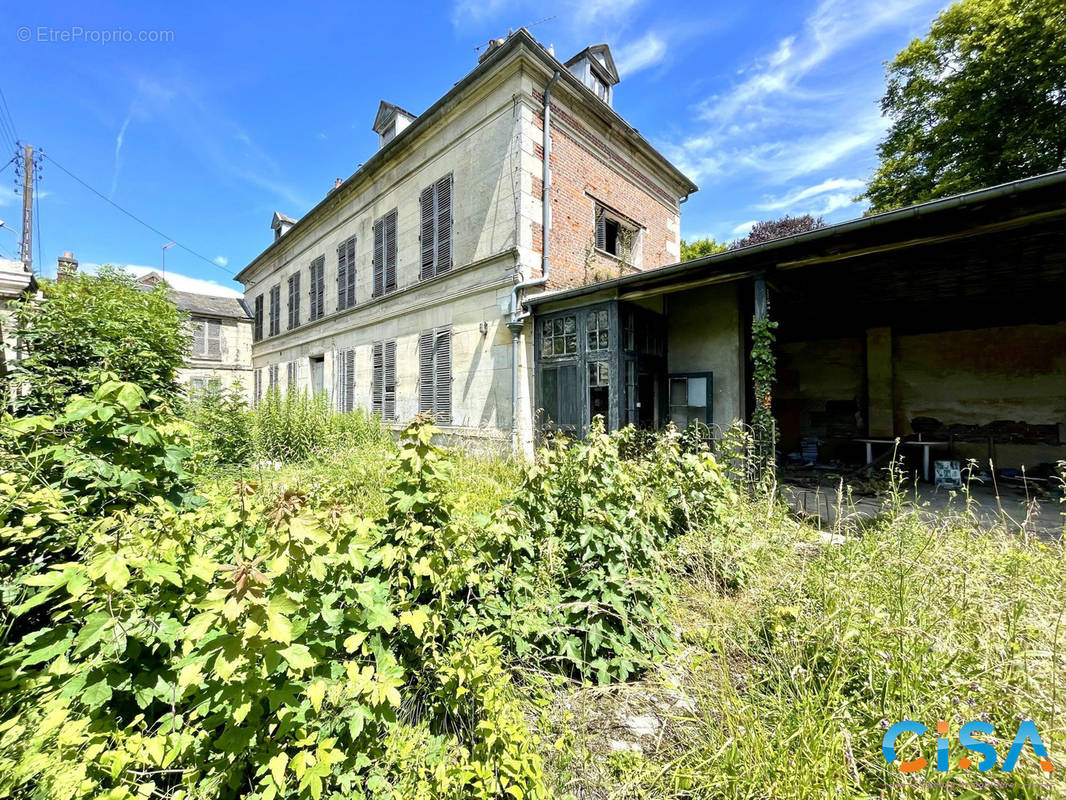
223 428
93 322
299 426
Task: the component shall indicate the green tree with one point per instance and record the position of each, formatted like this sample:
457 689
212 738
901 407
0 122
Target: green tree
93 322
979 101
770 229
700 247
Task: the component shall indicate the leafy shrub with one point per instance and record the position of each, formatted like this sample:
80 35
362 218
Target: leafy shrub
223 431
92 322
300 425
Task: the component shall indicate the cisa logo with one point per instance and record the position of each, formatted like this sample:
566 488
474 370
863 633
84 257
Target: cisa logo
1026 732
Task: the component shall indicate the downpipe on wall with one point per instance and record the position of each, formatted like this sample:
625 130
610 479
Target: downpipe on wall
517 320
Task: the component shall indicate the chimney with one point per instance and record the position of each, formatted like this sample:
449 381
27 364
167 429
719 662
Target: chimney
66 266
337 183
490 49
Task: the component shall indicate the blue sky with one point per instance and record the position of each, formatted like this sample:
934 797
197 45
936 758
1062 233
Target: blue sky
250 108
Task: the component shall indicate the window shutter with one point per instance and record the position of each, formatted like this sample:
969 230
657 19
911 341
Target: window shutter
389 400
198 335
444 225
214 338
443 379
342 278
257 329
316 291
349 287
601 230
294 301
390 250
379 257
257 392
349 379
377 382
426 374
290 376
429 238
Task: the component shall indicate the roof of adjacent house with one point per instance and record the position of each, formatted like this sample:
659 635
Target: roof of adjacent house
514 40
208 306
952 217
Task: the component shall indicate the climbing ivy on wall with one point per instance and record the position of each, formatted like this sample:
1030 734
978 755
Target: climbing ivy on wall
764 374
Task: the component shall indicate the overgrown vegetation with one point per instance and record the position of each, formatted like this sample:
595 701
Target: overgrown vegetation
91 322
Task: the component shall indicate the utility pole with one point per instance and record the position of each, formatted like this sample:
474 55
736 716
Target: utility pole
26 248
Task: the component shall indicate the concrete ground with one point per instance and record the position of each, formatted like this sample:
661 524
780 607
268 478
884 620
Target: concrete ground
1011 509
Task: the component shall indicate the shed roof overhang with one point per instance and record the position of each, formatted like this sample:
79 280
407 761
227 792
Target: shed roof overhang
1033 203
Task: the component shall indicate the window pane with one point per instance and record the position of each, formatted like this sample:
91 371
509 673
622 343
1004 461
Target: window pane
557 347
678 391
558 327
603 320
603 340
569 324
571 343
697 392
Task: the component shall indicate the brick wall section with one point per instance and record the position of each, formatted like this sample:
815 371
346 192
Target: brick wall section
585 169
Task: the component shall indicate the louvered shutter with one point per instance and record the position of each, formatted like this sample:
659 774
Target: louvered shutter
342 277
429 237
601 230
443 377
349 257
199 333
426 373
214 338
316 290
444 225
257 392
377 386
390 250
379 257
338 380
389 401
257 330
349 379
294 301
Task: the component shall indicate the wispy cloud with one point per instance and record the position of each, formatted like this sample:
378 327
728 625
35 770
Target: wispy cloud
744 228
647 51
119 140
222 261
176 280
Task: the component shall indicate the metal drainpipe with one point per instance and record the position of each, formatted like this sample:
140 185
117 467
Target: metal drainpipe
517 323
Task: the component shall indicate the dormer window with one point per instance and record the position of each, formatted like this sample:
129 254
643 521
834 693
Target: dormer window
390 121
595 68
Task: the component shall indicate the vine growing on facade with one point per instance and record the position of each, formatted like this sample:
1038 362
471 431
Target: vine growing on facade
764 374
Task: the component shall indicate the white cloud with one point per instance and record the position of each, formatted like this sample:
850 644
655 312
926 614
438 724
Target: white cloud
647 51
744 228
791 200
119 140
176 281
221 260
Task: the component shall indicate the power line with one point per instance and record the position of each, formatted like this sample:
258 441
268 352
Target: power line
8 120
134 217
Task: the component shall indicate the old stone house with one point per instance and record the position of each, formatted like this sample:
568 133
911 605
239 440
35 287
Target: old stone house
220 351
401 290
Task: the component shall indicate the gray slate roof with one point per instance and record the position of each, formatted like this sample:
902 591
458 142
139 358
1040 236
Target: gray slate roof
208 306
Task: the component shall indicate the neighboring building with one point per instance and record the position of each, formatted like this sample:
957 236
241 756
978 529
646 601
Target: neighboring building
220 353
943 324
396 293
16 282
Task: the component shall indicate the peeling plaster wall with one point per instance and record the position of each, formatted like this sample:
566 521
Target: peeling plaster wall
1013 373
703 335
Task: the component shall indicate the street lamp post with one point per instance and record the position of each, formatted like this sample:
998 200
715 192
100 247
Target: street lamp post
166 247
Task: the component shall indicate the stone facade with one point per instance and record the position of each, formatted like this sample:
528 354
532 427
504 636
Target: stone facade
485 134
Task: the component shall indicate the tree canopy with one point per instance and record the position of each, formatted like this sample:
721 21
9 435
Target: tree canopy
91 322
777 229
981 100
698 248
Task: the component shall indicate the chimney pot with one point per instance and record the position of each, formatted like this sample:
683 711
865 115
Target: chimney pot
66 266
337 183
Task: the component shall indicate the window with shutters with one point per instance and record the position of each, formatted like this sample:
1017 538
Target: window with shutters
383 389
346 275
344 391
616 235
272 376
316 294
275 310
257 320
436 228
435 374
385 254
206 338
294 301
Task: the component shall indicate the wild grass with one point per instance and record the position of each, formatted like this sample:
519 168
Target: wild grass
800 649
